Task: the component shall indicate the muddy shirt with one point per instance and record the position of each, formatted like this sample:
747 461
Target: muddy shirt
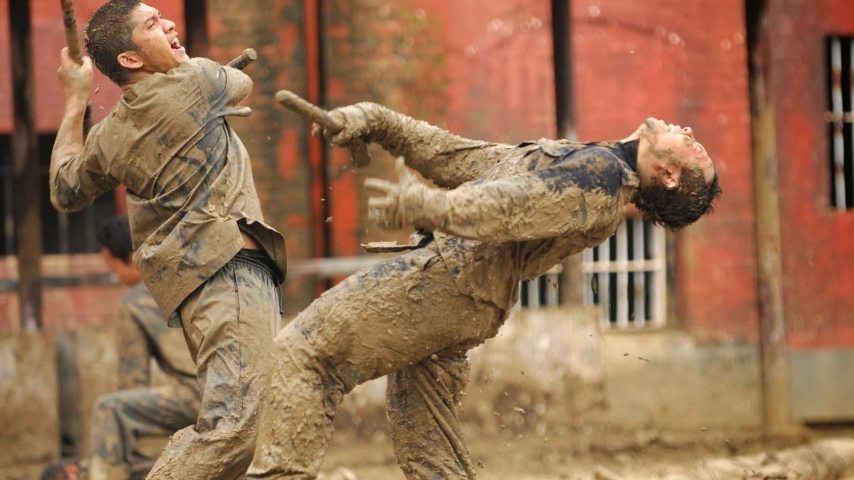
541 203
141 317
189 181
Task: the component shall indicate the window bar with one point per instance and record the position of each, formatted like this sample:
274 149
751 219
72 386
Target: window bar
622 277
587 291
62 227
9 214
658 277
534 293
640 306
838 140
605 283
552 280
851 104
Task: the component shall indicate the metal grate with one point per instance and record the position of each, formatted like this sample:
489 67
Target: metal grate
627 276
840 119
543 291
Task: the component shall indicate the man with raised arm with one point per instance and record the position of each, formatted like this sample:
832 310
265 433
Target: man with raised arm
199 238
505 214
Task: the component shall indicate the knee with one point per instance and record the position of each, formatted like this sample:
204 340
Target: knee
107 404
294 353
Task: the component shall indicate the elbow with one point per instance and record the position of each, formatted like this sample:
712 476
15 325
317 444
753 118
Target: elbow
64 201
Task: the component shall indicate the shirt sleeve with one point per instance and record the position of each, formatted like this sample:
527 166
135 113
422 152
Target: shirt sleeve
223 87
77 180
581 196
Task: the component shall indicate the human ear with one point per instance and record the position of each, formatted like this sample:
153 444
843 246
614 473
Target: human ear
130 60
670 177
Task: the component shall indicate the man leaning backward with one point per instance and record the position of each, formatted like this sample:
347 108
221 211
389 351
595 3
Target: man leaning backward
199 238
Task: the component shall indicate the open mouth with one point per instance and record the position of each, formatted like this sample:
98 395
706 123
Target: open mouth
176 44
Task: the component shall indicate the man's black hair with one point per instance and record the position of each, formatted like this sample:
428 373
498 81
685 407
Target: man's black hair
56 470
114 234
678 207
108 34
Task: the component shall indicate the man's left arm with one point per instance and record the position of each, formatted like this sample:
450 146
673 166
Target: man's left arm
222 86
534 205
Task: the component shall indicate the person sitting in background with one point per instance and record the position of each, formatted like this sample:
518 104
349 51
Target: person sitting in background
147 405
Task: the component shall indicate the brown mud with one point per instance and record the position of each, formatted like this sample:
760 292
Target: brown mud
605 453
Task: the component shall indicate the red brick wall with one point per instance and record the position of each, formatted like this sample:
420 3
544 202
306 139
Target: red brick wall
48 39
64 308
684 62
483 69
817 242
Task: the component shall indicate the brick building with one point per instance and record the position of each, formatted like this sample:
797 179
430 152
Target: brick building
766 85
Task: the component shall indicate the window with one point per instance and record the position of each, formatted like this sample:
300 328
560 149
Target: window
626 275
840 124
62 233
543 291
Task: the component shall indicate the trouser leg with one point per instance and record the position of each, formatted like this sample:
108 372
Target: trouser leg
374 323
120 419
229 323
422 412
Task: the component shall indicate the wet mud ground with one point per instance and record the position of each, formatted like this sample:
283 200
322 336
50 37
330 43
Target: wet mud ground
584 455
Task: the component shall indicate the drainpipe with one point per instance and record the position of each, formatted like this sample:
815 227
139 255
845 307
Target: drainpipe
766 191
25 161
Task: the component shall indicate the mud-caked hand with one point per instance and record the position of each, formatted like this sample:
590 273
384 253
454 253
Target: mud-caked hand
76 79
356 123
407 203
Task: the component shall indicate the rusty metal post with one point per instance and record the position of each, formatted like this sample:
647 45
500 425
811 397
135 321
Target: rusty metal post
196 19
573 284
25 162
772 327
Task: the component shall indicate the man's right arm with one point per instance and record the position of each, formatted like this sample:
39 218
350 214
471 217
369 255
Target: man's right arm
446 159
76 176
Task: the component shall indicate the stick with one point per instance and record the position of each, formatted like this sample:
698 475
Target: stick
70 22
248 56
295 103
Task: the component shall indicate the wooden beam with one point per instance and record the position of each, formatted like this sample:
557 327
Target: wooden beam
25 164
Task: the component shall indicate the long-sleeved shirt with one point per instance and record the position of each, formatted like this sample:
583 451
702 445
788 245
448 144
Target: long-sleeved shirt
189 181
511 212
545 201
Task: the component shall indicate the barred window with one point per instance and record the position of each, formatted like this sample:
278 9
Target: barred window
840 121
626 276
543 291
62 233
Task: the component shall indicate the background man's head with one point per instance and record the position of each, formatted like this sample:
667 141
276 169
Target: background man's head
117 249
678 180
60 470
128 39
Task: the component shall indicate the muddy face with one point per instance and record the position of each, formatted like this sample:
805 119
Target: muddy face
158 47
665 150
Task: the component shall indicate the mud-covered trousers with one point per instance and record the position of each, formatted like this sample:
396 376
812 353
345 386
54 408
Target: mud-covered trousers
406 318
229 323
122 418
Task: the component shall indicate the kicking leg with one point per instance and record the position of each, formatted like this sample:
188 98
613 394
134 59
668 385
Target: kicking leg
422 412
374 323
